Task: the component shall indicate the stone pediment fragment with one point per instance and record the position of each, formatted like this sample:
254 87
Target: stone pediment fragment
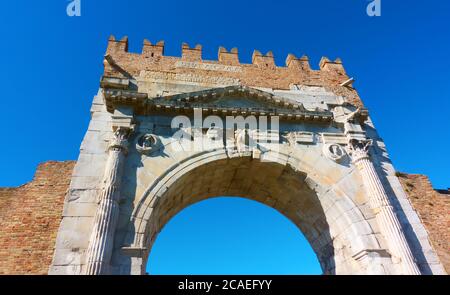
240 100
214 95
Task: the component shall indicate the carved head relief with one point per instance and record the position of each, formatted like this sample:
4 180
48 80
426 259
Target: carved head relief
334 152
214 133
147 143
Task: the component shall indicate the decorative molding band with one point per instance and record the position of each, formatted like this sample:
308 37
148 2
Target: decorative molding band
114 97
134 251
334 138
230 111
113 82
183 104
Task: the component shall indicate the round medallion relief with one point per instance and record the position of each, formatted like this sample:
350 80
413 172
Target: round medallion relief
334 152
147 143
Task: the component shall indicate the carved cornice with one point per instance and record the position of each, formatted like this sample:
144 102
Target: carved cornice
114 97
276 106
115 83
233 91
324 116
187 102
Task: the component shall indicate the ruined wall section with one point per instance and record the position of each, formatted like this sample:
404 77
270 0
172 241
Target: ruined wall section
30 216
433 208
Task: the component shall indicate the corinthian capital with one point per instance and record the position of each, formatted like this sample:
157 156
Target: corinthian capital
120 140
359 149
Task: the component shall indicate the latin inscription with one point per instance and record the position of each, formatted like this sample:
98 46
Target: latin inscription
187 78
207 66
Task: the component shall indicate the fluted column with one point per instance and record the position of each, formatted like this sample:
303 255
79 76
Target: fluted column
102 238
384 212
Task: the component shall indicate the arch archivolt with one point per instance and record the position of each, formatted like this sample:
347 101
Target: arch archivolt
314 192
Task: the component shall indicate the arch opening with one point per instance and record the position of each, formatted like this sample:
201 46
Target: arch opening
331 222
277 186
231 235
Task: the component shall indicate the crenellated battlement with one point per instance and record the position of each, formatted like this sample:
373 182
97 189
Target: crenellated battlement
224 56
302 63
328 65
227 69
191 54
263 60
150 50
228 57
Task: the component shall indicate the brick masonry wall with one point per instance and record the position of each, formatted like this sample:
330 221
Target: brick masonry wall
30 216
433 209
262 72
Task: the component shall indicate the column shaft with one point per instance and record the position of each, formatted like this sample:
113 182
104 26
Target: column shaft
106 217
385 215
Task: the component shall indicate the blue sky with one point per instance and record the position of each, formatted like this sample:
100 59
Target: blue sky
231 236
51 66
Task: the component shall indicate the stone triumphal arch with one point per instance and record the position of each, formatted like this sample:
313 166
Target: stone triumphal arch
159 140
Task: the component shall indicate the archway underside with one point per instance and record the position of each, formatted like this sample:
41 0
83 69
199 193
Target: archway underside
275 185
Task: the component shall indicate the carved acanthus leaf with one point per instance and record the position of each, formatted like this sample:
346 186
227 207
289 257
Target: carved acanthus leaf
359 149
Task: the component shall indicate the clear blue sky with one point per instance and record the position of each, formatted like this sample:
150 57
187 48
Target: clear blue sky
231 236
51 66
